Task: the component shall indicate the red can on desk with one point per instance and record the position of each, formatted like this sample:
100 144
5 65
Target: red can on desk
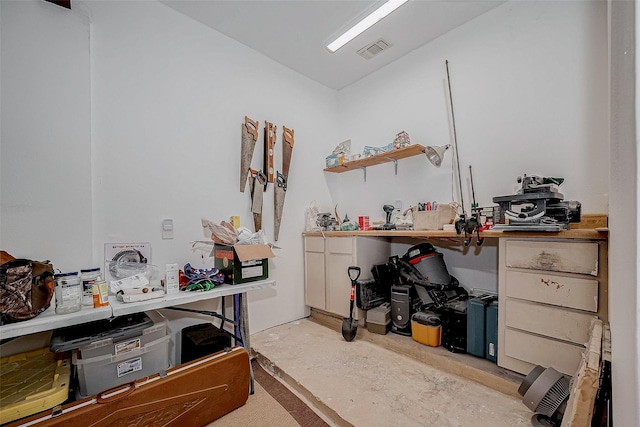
363 222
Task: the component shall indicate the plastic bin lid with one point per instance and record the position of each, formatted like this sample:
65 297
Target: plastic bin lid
424 318
32 382
118 328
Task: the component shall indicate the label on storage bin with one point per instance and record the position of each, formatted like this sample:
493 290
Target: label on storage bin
251 271
125 346
129 366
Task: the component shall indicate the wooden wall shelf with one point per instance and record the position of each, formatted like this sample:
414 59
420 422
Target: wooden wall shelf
378 159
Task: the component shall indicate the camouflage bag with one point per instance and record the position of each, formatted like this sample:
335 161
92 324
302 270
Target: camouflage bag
26 289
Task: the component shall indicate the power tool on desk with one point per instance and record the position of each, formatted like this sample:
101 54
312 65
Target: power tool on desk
538 206
388 209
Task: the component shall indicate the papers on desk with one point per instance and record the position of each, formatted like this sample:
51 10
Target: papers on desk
135 295
138 281
135 288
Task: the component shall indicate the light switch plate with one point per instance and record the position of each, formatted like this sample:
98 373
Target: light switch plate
167 228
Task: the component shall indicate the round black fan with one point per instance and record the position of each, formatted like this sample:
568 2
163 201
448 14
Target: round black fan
545 392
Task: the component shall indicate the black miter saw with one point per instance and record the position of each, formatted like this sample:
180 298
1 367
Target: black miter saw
537 206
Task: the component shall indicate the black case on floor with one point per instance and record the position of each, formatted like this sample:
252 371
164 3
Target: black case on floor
454 326
202 340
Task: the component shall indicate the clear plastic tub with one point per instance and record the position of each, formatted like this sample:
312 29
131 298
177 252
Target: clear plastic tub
88 277
101 373
68 292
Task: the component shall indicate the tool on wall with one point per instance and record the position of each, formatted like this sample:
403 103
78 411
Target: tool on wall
256 185
269 145
468 225
249 139
471 224
280 190
463 216
349 324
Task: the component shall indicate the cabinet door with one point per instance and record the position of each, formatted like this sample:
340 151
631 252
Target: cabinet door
314 280
338 258
314 273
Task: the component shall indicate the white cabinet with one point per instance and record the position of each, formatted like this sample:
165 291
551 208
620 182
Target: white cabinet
326 261
314 272
549 292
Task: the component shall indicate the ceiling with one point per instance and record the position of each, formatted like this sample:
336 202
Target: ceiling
295 32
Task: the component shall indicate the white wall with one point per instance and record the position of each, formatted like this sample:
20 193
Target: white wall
529 85
45 173
169 97
624 313
160 138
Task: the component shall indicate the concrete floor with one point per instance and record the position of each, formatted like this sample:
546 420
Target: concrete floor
362 383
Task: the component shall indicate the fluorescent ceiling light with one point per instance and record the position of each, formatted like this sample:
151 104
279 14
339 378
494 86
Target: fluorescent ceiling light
365 24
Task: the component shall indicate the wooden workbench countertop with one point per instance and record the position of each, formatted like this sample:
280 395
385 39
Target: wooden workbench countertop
579 233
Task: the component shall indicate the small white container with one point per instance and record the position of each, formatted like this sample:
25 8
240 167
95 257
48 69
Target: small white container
68 293
88 277
171 284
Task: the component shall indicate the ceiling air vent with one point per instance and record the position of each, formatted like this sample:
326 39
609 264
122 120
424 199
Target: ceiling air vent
372 49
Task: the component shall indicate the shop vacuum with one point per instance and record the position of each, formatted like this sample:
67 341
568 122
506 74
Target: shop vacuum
422 281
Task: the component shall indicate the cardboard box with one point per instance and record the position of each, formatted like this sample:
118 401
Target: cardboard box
242 263
434 220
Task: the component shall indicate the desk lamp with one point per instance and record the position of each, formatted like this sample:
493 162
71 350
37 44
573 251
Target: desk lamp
436 154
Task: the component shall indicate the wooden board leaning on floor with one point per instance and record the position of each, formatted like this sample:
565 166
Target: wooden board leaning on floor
585 385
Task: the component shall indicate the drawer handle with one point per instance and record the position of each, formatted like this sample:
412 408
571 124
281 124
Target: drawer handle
119 393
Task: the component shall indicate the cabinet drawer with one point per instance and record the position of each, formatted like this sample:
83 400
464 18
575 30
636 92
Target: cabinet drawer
542 351
562 290
340 245
569 257
314 244
563 324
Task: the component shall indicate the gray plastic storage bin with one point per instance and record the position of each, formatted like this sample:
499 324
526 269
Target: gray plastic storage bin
108 346
100 373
